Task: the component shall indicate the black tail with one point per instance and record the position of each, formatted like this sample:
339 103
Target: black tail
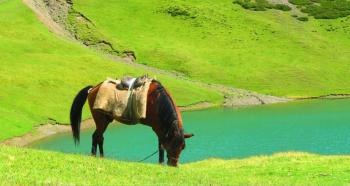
75 112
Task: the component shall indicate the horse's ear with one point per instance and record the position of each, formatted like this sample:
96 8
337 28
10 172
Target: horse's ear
188 135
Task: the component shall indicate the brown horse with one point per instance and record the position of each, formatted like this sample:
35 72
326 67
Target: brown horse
162 115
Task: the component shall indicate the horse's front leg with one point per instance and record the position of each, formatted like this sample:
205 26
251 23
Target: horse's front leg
161 152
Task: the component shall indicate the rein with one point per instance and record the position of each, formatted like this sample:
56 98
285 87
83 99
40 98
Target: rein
147 157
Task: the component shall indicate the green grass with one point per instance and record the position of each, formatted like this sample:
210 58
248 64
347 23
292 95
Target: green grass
268 52
41 73
20 166
85 32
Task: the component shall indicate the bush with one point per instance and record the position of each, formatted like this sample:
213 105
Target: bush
301 2
180 11
247 4
303 18
282 7
324 9
320 9
260 5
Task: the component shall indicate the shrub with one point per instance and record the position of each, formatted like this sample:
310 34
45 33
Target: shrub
180 11
260 5
247 4
320 9
324 9
301 2
303 18
282 7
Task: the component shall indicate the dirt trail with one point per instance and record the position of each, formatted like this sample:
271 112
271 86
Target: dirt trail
45 18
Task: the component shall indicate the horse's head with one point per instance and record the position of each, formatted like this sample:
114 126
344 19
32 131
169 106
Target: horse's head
170 131
174 146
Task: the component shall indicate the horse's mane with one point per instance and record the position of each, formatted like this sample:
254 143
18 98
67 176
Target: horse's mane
168 115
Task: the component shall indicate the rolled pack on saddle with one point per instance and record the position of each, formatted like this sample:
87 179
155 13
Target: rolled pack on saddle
124 99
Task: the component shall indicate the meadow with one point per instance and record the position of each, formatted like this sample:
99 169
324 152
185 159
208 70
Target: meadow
40 73
269 52
20 166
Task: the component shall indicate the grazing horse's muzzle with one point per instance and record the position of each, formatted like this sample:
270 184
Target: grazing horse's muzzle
172 161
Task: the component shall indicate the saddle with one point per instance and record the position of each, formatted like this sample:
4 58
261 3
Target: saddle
132 83
124 99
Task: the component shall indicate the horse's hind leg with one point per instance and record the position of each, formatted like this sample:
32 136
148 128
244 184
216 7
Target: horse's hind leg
101 120
161 152
94 143
100 146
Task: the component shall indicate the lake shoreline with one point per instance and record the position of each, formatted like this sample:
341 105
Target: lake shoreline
44 131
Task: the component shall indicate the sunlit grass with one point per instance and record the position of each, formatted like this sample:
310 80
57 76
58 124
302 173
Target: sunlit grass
269 52
41 73
33 167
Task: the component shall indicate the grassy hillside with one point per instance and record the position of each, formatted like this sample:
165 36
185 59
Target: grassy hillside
33 167
40 73
269 52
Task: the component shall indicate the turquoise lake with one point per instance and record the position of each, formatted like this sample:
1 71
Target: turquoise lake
315 126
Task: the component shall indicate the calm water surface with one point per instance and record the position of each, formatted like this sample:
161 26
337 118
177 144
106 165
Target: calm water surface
319 126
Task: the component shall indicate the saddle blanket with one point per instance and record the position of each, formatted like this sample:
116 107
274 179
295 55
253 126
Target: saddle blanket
128 105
